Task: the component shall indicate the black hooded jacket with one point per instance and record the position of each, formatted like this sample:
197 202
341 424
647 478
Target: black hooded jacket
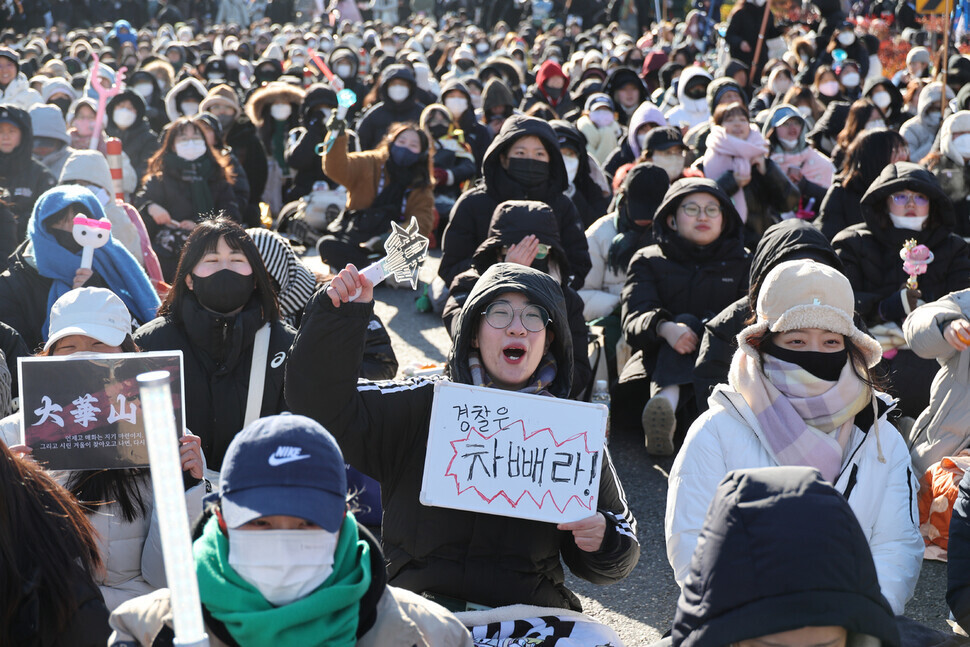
382 428
895 115
870 250
588 195
617 79
138 140
375 123
787 240
477 135
472 214
353 81
673 277
511 222
782 550
155 104
22 178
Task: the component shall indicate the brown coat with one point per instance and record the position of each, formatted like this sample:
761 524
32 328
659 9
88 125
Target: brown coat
360 174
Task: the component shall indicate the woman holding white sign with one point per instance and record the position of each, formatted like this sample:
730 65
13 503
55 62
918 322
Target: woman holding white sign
511 334
118 502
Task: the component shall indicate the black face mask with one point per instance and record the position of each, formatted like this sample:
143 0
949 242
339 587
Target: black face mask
554 93
464 64
63 103
528 171
824 366
438 130
223 291
66 240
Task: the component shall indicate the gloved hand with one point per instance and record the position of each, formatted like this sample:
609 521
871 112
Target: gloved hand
892 308
440 176
335 125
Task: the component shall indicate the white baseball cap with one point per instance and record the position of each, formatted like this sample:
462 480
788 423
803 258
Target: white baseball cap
92 312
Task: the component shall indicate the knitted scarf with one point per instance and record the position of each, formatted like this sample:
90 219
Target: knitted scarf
113 263
544 375
196 174
806 420
328 616
728 153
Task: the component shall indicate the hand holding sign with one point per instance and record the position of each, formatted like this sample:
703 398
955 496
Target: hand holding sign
90 234
405 248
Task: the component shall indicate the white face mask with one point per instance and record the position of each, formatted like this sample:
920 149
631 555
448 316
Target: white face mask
398 93
912 223
846 38
673 164
932 119
788 144
283 565
874 124
190 149
344 71
961 145
123 117
828 88
281 111
457 105
881 99
190 108
642 140
216 76
602 118
481 48
572 166
850 79
298 61
781 87
101 195
232 61
805 111
144 90
476 101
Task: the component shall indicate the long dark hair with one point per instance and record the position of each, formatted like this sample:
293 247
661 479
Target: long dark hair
204 239
45 541
156 163
867 156
421 170
860 112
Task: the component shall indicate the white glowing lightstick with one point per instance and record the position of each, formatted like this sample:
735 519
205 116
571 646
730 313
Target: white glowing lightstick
166 468
90 234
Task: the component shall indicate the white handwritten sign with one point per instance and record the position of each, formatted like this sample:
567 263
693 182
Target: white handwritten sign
511 454
83 411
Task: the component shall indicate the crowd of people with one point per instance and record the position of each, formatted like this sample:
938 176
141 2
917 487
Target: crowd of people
755 240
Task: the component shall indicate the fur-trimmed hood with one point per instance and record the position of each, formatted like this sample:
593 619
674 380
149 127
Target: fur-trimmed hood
273 93
185 86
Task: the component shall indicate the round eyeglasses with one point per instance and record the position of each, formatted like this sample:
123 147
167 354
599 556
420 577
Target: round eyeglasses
902 199
694 210
500 314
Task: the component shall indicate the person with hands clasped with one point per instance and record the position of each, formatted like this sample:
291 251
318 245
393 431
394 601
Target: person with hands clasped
905 202
511 334
118 503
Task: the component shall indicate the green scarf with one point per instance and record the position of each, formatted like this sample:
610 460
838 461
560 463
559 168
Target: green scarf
328 616
279 144
196 174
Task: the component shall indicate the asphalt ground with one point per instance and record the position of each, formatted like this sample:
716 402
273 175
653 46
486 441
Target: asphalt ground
641 607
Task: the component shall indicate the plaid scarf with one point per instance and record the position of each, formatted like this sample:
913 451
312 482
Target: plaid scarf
543 377
806 420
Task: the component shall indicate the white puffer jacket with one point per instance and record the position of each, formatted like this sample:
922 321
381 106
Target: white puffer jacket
882 494
20 94
131 550
601 290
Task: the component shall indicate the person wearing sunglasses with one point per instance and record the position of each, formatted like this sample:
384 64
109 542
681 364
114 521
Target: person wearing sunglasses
696 268
511 334
905 202
526 232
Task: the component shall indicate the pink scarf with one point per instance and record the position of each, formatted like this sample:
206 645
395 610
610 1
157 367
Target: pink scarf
727 153
806 420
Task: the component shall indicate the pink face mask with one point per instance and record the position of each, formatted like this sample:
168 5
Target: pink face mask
85 127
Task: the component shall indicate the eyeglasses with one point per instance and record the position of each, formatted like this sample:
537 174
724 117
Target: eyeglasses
902 199
541 252
500 314
694 210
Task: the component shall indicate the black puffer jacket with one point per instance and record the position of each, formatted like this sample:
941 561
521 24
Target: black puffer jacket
513 221
673 277
382 429
587 195
870 251
895 115
244 141
375 123
840 209
472 214
787 240
746 583
138 140
22 178
217 355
